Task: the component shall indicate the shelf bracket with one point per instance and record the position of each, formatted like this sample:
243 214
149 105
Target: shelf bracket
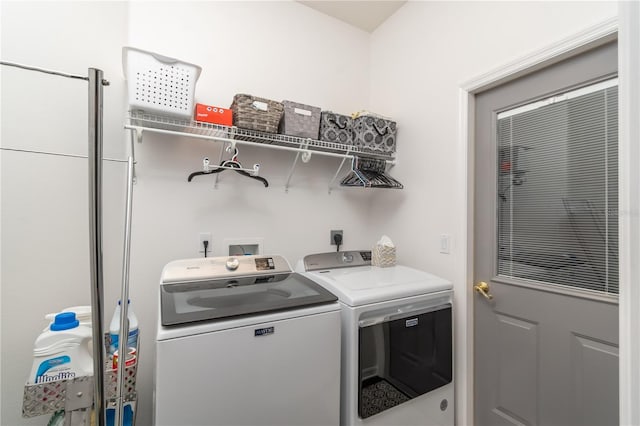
139 131
335 176
133 155
293 167
305 156
225 147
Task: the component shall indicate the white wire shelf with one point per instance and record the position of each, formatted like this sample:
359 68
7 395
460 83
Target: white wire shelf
140 122
161 124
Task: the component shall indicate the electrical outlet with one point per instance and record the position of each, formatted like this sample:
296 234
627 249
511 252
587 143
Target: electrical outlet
204 236
333 233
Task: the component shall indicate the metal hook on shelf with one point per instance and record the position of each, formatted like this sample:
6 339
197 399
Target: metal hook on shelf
391 163
306 155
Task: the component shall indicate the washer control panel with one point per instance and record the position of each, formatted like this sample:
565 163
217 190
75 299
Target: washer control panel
265 264
219 267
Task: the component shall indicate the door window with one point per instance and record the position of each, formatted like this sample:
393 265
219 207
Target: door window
558 189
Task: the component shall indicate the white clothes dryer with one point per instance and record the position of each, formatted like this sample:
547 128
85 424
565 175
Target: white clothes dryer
245 341
397 346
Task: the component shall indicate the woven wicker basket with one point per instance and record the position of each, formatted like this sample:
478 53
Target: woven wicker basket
383 256
254 113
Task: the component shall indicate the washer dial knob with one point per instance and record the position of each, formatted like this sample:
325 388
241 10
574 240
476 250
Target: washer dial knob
232 263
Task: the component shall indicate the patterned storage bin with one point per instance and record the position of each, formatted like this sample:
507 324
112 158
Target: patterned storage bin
374 134
336 128
254 113
300 120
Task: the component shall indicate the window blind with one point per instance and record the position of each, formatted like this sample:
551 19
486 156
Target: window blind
557 189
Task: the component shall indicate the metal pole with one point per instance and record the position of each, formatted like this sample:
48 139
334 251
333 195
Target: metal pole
124 297
95 237
44 70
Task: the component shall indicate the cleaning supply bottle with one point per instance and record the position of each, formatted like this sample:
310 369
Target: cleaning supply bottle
83 314
114 329
62 351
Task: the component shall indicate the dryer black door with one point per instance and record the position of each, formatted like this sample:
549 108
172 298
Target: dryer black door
403 358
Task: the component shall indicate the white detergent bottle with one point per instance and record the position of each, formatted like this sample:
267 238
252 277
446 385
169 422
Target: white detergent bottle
62 351
114 329
83 314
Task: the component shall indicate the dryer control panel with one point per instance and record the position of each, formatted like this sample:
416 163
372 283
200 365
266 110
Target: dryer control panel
339 259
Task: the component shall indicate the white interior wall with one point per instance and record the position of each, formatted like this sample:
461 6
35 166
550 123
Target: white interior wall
45 229
420 58
268 57
277 50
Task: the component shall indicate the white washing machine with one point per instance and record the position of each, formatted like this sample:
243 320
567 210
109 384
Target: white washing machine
245 341
397 347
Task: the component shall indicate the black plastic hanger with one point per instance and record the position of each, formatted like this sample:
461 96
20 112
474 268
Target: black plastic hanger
219 170
231 164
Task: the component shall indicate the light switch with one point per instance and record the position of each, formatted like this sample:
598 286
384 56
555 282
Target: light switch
444 244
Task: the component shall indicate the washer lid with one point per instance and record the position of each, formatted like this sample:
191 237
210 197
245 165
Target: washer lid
370 284
215 299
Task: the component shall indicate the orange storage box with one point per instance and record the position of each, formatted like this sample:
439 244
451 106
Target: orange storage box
214 114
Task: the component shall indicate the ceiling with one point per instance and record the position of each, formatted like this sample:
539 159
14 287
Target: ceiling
366 15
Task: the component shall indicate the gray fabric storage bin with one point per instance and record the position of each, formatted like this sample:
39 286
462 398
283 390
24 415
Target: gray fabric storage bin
254 113
374 134
336 128
300 120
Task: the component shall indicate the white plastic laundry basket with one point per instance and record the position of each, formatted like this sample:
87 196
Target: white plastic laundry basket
158 84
